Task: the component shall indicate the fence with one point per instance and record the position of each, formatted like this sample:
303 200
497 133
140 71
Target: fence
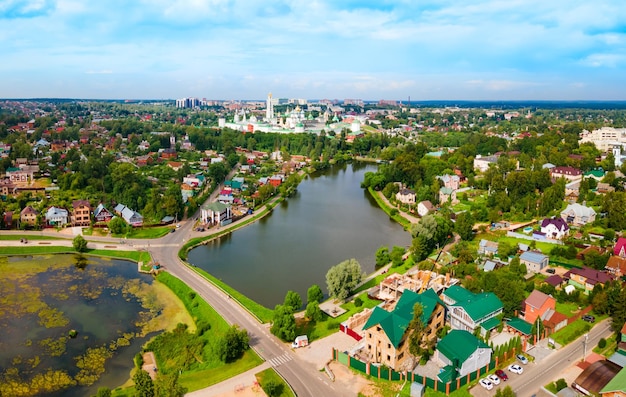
382 372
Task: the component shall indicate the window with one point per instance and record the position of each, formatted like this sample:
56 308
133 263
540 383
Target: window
388 345
388 357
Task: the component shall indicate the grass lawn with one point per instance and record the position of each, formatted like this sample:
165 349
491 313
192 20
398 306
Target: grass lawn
567 308
571 332
200 379
611 345
145 232
397 217
13 237
28 249
269 375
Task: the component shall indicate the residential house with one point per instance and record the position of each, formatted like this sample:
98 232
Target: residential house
102 214
555 321
57 216
195 181
482 163
19 175
226 196
215 213
616 265
450 181
276 180
447 195
7 187
604 188
131 217
186 191
578 215
81 213
536 305
406 196
468 311
620 247
572 191
386 332
28 216
569 173
555 280
487 247
461 353
535 261
7 220
586 278
425 207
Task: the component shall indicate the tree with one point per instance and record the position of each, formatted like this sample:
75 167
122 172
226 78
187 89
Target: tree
144 387
560 384
382 256
283 323
396 255
464 225
103 392
233 344
117 225
341 279
313 311
293 301
314 294
416 327
79 243
168 386
272 387
506 392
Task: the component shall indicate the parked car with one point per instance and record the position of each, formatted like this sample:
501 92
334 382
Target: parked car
589 318
550 270
502 375
494 379
522 358
486 383
516 369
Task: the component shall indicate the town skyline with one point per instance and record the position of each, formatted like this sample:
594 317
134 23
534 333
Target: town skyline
487 50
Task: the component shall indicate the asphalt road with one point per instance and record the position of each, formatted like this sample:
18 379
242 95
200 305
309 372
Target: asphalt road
547 370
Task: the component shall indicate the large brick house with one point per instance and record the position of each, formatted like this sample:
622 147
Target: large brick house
81 213
386 332
536 305
28 216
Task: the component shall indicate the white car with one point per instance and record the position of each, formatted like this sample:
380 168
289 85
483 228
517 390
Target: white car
494 379
516 369
486 383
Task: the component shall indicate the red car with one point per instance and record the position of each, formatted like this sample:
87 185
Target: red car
501 374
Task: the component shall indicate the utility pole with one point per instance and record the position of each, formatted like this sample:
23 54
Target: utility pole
585 346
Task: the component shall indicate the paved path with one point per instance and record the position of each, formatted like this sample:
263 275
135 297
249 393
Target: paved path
233 385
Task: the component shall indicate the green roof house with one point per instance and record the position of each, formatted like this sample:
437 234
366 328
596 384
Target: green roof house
386 332
616 386
459 353
468 311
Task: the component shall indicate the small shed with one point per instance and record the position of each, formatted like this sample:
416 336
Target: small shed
417 389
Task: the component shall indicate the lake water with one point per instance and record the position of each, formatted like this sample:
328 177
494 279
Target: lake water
43 297
329 220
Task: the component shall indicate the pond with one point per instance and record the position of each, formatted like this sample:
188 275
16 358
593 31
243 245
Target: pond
329 220
43 298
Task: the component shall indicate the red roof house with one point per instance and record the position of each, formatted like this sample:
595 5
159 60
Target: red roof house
536 305
620 247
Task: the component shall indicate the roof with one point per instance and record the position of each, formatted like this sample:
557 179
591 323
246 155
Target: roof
458 345
619 359
396 322
426 203
592 276
490 324
554 280
619 246
579 210
616 263
522 326
477 306
533 256
559 223
80 203
597 376
215 206
446 190
537 298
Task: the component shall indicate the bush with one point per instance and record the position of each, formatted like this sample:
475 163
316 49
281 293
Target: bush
138 360
332 325
560 384
273 388
602 343
358 302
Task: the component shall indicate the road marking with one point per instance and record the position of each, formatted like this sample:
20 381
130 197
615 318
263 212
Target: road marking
280 360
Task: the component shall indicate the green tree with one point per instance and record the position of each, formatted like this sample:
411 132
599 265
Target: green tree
396 255
144 387
293 301
273 388
103 392
560 384
416 329
79 243
233 344
117 225
464 225
341 279
314 294
313 311
168 386
283 323
382 256
506 392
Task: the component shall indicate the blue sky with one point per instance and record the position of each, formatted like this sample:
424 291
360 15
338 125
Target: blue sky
243 49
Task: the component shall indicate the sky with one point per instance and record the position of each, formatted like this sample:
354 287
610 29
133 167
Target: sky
314 49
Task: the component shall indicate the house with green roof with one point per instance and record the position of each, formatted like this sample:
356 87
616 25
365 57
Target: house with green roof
459 353
386 332
468 311
616 386
215 213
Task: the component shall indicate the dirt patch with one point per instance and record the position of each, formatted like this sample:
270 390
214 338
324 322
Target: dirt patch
245 391
319 352
351 381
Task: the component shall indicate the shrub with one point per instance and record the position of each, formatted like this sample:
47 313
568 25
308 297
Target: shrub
138 360
602 343
560 384
358 302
